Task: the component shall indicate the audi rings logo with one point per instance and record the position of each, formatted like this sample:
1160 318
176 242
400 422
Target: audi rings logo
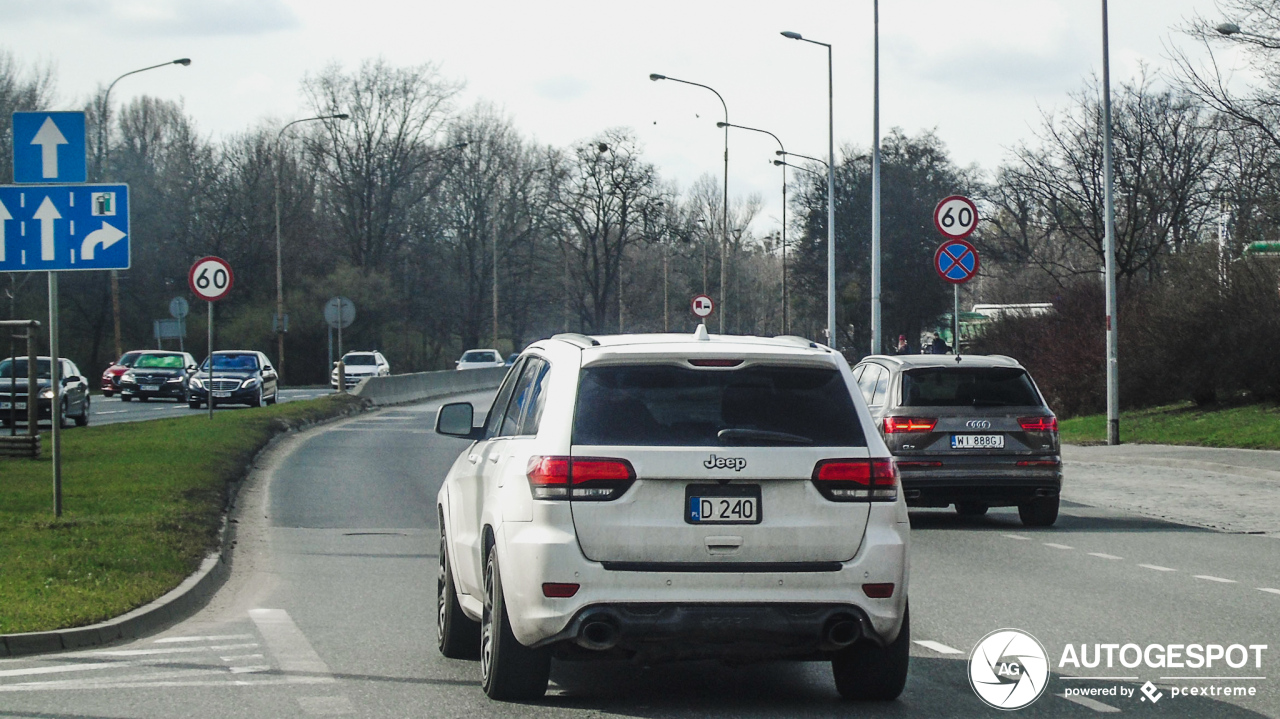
978 424
1008 669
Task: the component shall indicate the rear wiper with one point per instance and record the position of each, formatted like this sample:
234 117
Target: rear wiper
728 435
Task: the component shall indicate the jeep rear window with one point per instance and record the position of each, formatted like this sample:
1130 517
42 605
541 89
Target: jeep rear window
968 387
756 406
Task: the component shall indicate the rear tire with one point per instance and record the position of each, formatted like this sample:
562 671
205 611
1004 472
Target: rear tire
866 671
509 671
456 634
126 398
193 404
971 509
1041 512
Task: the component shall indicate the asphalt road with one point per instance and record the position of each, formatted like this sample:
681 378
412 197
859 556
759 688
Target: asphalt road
110 410
330 611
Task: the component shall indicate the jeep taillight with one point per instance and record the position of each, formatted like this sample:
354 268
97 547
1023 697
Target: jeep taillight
857 480
1038 424
584 478
894 425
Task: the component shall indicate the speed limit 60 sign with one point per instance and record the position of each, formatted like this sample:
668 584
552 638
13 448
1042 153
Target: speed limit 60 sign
210 278
956 217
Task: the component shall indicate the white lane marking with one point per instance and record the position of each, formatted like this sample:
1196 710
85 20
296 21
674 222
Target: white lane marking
326 706
58 669
937 647
1017 536
1215 579
216 638
1269 589
114 411
251 670
169 650
1057 546
294 653
1104 555
1093 704
241 657
1157 567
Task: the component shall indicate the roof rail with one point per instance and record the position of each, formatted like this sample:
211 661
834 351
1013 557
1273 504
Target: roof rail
795 340
575 338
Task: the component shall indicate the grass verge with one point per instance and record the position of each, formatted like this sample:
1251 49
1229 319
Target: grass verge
1254 426
142 505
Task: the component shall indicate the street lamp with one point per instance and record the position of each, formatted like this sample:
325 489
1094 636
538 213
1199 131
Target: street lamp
279 323
783 151
104 138
1109 251
831 198
724 236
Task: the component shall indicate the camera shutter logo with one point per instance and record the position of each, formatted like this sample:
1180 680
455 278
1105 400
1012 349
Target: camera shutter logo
1008 669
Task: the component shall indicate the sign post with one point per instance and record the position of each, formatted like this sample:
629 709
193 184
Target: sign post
339 313
179 309
210 279
956 261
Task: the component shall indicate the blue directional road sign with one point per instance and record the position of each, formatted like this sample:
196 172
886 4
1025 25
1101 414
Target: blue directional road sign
64 227
48 147
956 261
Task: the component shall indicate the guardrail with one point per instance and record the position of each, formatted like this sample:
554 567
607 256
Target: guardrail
402 388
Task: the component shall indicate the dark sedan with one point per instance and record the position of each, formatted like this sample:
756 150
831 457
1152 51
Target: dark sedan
157 374
13 391
239 377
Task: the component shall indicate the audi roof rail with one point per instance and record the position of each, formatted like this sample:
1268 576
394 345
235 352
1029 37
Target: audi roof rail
575 338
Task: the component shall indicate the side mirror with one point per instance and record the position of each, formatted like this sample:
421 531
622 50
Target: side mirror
267 368
69 379
455 420
191 368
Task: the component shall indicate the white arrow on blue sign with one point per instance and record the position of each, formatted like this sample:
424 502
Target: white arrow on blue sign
48 147
64 227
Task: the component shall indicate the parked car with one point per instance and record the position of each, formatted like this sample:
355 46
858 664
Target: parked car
13 391
157 374
358 365
111 376
480 359
654 498
239 377
972 431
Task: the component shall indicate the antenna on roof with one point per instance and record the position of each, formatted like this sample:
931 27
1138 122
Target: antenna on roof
700 334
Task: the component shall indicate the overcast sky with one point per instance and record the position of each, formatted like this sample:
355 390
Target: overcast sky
977 71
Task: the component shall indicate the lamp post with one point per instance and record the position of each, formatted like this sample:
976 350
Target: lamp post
1109 251
783 151
279 323
724 230
831 192
104 138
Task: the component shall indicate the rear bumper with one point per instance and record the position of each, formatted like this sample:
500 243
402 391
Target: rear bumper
657 607
997 482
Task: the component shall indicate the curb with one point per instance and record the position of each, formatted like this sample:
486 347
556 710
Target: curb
179 603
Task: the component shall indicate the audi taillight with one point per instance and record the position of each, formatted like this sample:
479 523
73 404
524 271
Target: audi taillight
585 478
857 480
1038 424
895 425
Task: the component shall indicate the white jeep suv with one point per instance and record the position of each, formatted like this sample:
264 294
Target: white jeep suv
667 497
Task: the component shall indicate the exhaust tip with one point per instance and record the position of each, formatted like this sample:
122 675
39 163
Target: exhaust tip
841 631
599 632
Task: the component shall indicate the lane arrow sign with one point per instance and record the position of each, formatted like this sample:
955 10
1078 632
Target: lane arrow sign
48 138
46 213
4 217
106 237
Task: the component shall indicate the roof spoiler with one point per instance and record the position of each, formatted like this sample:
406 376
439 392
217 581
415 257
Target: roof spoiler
577 339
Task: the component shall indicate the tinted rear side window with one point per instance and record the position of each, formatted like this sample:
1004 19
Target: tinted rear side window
676 406
968 387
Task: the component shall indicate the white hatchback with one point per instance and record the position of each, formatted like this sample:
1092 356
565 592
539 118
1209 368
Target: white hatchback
664 497
480 359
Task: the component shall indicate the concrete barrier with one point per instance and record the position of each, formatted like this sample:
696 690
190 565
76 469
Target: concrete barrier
419 386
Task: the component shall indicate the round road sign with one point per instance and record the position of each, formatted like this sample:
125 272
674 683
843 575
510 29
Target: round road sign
956 261
210 278
956 217
703 306
178 308
339 312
